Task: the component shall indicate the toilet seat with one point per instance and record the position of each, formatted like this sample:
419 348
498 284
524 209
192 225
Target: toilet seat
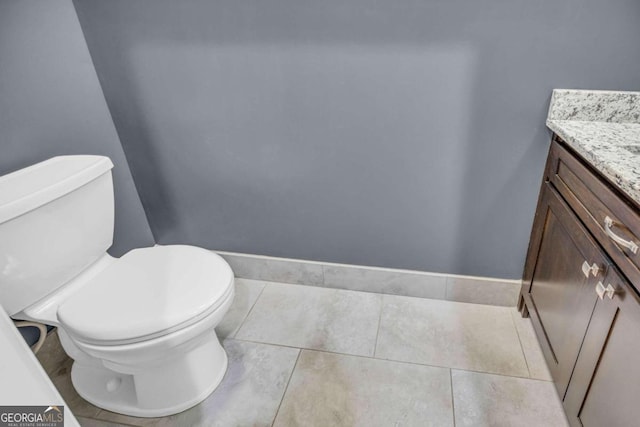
146 294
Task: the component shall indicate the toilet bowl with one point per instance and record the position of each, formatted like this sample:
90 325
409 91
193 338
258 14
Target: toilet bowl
139 328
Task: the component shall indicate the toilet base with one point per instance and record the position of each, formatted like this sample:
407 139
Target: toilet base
160 389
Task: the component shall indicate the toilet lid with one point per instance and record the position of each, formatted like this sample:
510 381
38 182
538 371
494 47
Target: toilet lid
146 292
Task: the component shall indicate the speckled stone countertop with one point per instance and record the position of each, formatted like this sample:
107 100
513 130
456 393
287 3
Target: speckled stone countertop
604 128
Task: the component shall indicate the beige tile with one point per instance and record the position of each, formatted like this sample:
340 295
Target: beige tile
386 281
51 355
451 334
247 292
274 269
119 419
62 380
538 368
494 400
90 422
249 394
338 390
315 318
482 291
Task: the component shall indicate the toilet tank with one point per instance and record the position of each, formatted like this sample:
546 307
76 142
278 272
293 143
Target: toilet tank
56 219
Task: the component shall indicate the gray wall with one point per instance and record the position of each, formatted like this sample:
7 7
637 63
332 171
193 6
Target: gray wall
404 133
51 103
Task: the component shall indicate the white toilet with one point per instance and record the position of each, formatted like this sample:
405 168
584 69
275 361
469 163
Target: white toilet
140 328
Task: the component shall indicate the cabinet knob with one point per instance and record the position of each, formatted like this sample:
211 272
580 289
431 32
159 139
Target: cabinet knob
593 269
609 291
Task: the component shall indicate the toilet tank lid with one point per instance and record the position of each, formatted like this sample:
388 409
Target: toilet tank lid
29 188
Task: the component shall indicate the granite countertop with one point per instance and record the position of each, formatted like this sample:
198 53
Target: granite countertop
604 128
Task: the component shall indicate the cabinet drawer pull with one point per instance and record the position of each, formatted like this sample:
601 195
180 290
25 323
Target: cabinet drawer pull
609 291
629 244
593 269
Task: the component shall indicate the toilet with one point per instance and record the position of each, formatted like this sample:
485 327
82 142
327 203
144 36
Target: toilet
140 328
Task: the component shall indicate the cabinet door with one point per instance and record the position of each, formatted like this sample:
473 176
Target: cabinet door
568 264
605 385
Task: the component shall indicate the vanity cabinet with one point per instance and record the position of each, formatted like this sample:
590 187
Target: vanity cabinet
579 287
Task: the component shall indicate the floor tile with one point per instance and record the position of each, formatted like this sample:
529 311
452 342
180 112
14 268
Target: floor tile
119 419
316 318
90 422
385 281
338 390
538 368
274 269
451 334
482 291
494 400
51 355
249 394
247 292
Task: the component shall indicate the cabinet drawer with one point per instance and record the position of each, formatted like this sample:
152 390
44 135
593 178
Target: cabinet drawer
596 203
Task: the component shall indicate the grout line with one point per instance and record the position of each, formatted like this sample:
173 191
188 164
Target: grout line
284 393
361 291
375 344
392 360
244 319
453 401
381 293
526 362
502 375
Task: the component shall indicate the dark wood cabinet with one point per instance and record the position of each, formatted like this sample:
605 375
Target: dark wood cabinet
561 293
580 289
605 386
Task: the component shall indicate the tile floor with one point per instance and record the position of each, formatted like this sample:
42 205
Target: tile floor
308 356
